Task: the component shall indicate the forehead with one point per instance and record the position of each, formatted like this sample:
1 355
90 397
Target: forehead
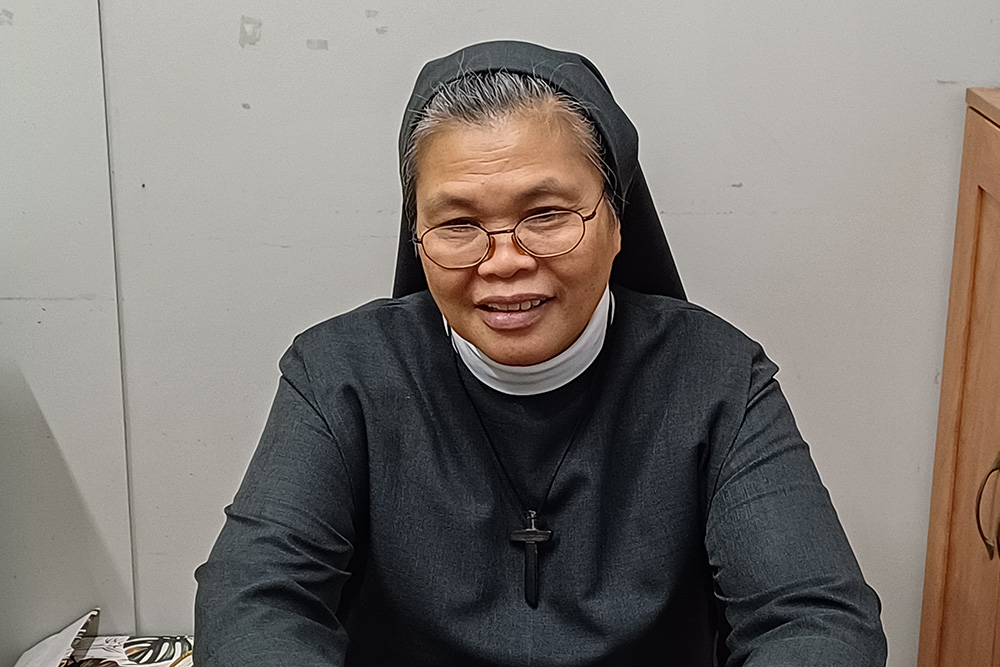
531 154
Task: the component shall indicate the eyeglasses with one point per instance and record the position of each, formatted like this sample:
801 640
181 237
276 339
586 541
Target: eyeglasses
464 245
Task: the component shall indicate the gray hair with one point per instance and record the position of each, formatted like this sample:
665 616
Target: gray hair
484 97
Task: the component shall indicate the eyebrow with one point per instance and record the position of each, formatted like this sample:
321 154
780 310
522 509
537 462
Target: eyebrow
545 187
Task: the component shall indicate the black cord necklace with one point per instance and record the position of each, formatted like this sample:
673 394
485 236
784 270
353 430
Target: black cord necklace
531 536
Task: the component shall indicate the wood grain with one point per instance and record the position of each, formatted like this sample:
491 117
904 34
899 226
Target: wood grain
986 101
970 605
958 623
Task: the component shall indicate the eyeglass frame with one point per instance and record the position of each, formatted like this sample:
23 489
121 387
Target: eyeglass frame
491 247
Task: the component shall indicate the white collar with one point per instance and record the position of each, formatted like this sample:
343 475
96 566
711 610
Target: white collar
551 374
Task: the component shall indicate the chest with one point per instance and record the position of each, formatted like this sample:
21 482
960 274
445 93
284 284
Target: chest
624 510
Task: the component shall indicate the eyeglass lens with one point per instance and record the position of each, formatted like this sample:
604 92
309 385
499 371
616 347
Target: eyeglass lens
545 235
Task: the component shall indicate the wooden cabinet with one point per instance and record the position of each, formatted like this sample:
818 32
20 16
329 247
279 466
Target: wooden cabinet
962 582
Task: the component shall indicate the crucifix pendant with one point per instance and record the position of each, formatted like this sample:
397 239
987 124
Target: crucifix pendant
531 537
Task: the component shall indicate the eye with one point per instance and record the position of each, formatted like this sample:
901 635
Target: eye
549 219
548 216
455 231
456 223
459 222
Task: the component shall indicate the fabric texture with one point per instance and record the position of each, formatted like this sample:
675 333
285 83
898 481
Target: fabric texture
373 529
531 433
645 263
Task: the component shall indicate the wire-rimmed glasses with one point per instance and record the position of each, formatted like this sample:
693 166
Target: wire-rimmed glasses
464 245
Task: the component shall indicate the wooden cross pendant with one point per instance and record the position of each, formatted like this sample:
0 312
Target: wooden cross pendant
531 537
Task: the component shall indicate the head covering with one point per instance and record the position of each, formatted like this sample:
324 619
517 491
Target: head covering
644 263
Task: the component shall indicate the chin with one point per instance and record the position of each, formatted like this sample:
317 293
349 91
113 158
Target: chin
517 360
523 354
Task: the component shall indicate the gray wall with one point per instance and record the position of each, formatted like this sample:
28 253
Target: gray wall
804 158
64 520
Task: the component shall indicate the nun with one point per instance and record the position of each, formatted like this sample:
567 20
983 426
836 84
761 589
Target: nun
537 452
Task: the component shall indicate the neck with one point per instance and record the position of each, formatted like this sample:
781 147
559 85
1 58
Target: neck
548 375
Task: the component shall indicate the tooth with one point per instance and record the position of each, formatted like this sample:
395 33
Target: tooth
513 307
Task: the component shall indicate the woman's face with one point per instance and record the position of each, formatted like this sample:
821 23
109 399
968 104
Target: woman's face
517 309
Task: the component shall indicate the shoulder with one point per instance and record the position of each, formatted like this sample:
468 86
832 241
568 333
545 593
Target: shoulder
688 347
369 336
656 319
373 318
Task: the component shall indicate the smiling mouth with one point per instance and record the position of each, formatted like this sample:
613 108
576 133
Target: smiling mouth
513 307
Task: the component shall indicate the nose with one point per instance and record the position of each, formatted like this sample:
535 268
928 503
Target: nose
505 257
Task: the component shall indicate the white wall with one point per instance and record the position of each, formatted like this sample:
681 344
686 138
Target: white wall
804 158
64 523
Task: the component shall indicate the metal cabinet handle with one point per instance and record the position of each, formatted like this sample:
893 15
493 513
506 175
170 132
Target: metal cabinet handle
990 548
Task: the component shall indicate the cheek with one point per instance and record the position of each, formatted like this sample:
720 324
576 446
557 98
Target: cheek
446 286
611 246
606 246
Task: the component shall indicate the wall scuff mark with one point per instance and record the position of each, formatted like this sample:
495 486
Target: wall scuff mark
249 30
6 17
317 44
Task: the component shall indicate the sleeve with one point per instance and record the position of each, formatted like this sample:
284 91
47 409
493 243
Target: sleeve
790 585
270 589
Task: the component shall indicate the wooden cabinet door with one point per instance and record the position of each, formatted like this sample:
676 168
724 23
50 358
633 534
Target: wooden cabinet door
962 580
